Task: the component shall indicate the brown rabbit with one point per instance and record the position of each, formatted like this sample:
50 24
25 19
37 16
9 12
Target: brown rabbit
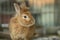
21 26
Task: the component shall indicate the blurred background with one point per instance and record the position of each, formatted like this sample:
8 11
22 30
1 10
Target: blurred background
45 12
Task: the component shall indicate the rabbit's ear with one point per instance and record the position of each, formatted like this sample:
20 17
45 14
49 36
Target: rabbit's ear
17 8
23 6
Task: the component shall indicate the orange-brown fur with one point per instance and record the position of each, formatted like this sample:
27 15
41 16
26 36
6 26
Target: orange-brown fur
16 27
17 31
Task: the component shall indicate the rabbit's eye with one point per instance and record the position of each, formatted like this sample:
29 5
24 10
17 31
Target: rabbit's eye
25 16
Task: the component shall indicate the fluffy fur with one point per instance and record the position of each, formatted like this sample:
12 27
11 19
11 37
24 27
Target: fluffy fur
19 27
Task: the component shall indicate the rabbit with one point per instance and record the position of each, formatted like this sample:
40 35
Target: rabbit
22 24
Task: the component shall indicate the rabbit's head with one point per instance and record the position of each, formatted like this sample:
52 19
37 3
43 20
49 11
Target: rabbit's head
23 15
